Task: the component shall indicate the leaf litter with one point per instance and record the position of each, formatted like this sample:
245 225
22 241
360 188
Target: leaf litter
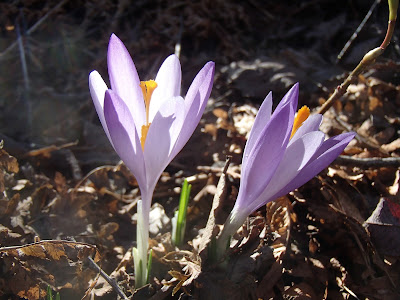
65 197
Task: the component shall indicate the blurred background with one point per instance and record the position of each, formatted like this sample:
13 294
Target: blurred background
48 48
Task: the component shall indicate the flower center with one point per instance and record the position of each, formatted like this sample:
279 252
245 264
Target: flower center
302 115
148 88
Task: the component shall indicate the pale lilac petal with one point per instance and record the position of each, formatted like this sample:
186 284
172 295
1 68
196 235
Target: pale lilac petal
262 118
324 156
311 124
124 79
168 81
297 155
266 155
291 96
333 142
195 103
98 89
163 132
124 136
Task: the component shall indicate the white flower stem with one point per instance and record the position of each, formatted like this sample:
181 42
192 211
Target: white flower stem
142 236
232 224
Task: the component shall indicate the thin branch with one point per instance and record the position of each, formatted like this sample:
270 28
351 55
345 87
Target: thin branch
368 60
365 163
111 281
359 28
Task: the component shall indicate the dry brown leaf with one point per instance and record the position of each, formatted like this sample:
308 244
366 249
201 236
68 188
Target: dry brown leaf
393 146
209 231
52 250
46 152
8 162
28 269
280 217
8 206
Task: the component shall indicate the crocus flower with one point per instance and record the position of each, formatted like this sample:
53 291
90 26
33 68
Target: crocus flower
147 122
281 154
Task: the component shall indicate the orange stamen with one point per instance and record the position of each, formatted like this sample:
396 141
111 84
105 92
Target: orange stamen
148 88
145 130
302 115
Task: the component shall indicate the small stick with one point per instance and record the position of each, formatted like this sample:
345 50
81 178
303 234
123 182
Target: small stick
359 28
373 162
111 281
368 59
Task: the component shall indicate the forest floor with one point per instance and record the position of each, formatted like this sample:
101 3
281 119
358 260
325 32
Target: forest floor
65 196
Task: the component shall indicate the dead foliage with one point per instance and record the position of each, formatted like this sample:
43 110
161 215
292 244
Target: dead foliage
64 197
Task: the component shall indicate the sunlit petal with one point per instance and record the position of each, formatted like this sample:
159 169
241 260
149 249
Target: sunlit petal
311 124
98 89
262 118
264 158
168 84
124 136
168 121
124 79
195 103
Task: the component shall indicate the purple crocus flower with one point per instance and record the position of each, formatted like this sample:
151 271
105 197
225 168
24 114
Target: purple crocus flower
147 122
281 154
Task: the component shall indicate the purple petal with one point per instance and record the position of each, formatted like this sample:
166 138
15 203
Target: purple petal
266 155
124 79
297 155
168 84
311 124
291 96
162 135
262 118
124 136
195 103
98 89
325 155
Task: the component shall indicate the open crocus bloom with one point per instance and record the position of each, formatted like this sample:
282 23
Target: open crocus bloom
147 122
281 154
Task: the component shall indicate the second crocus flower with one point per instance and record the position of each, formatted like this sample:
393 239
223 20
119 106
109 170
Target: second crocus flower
282 153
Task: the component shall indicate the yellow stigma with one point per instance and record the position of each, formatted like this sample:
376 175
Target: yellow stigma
148 88
302 115
145 130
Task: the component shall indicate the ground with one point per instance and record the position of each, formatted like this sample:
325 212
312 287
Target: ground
66 197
